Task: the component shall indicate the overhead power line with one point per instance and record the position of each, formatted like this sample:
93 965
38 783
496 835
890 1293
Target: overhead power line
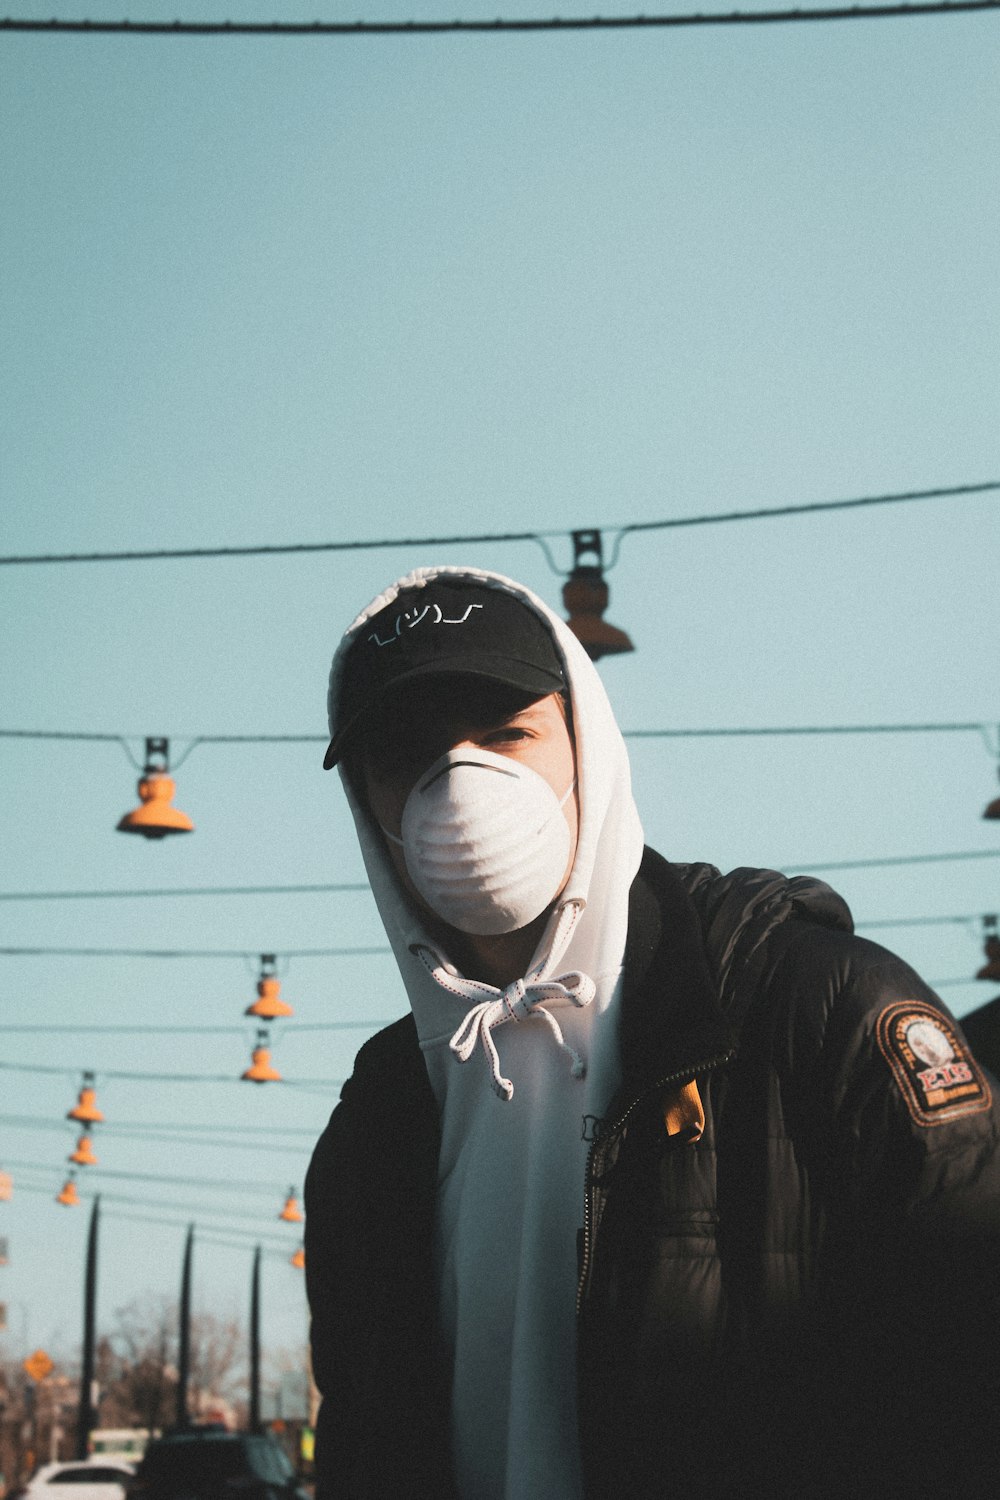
230 953
711 519
281 890
793 729
195 1210
497 26
165 1136
898 859
126 1029
197 890
205 1234
272 1249
217 1184
702 732
9 1067
58 952
186 953
177 1127
923 921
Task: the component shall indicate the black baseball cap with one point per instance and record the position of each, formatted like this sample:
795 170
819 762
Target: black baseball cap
449 626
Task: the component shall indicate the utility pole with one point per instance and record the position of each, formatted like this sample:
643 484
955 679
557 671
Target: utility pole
184 1335
255 1343
85 1416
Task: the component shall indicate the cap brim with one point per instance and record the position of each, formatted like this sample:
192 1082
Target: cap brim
524 676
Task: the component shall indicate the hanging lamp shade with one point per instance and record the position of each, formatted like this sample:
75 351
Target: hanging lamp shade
291 1213
585 597
69 1197
298 1260
84 1156
155 817
991 949
269 1005
85 1109
260 1069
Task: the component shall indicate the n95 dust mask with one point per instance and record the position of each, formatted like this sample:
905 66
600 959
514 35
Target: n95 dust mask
485 841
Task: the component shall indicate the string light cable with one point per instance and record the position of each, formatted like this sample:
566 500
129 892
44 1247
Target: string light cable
335 887
499 25
288 1083
180 1205
274 1248
179 1127
166 1135
126 1029
989 732
541 538
216 1184
187 953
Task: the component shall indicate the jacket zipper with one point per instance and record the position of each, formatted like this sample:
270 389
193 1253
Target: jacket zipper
602 1137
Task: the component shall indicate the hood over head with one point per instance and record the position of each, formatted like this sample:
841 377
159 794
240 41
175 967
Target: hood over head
420 632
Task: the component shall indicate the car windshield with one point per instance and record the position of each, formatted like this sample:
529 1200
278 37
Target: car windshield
268 1461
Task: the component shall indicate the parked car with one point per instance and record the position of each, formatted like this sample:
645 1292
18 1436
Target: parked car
87 1479
209 1463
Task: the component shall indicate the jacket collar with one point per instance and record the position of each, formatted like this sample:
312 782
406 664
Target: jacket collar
672 1022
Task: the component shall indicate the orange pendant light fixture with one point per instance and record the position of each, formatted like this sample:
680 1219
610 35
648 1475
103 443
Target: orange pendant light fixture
69 1197
992 809
85 1109
155 817
298 1260
269 1005
291 1213
84 1156
585 596
260 1069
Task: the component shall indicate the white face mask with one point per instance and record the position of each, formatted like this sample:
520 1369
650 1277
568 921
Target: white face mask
485 841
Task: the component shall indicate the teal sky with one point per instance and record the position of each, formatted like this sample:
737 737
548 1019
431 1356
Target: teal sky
272 291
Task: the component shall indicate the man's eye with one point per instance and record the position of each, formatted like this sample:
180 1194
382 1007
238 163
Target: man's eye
510 734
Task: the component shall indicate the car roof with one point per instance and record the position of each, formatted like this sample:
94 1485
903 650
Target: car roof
92 1461
201 1435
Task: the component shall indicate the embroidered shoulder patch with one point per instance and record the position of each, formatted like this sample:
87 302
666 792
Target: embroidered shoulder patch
936 1073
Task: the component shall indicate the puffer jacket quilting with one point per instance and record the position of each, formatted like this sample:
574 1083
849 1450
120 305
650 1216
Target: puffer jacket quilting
754 1305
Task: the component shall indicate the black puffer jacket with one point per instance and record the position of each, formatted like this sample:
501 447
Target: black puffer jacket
804 1300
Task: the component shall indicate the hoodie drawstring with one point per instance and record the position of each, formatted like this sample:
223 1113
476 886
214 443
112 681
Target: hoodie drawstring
519 1001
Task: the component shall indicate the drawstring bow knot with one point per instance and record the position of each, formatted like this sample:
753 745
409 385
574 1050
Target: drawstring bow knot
520 1000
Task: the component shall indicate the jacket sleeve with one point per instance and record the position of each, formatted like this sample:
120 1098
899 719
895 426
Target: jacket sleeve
369 1242
912 1246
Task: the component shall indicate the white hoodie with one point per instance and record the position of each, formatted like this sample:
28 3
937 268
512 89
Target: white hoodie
510 1173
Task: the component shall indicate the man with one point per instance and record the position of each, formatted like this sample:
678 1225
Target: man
668 1183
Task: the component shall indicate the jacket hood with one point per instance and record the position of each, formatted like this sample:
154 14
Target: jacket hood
609 844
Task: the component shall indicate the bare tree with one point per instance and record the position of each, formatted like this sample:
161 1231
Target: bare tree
138 1364
143 1386
218 1362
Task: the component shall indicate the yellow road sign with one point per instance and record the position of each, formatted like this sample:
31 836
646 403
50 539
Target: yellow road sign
38 1365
